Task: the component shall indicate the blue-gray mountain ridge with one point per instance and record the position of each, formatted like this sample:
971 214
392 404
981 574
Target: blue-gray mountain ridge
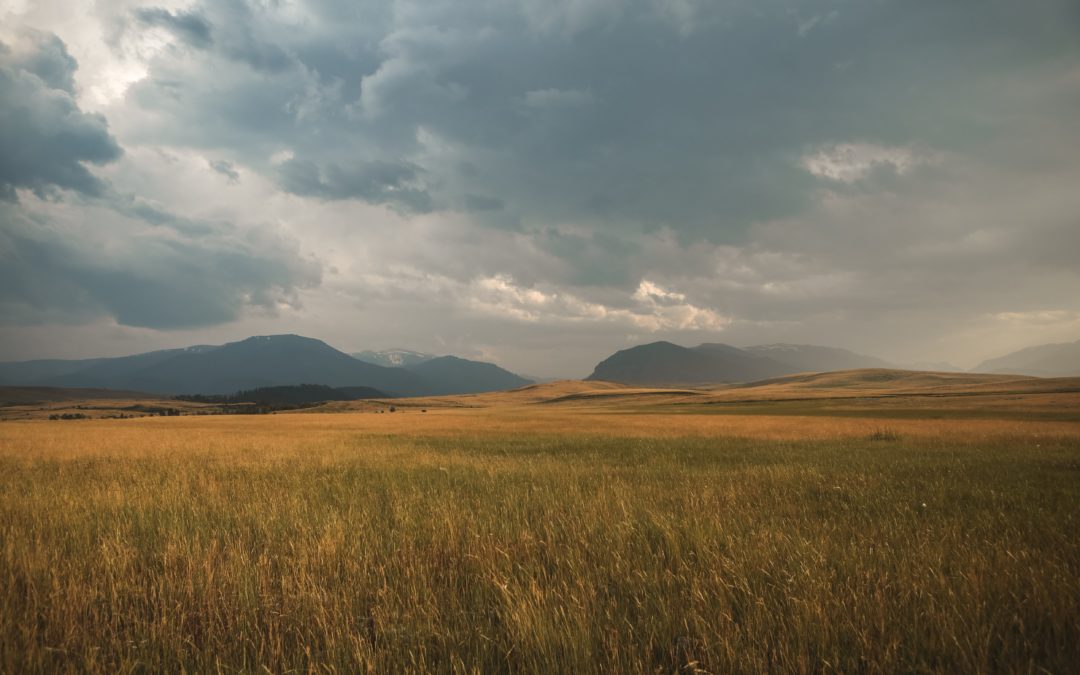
261 361
663 363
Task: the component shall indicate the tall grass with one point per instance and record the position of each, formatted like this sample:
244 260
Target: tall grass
315 545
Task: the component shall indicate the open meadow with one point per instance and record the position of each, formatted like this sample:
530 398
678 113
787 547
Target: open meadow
540 539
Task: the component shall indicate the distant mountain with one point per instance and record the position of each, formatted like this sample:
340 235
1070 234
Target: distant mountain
125 371
393 358
446 374
1054 360
77 372
811 358
258 363
267 361
30 372
24 395
248 364
452 375
667 363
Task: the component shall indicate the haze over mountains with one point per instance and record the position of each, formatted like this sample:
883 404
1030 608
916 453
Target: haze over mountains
262 361
1054 360
664 363
808 358
667 363
446 374
289 360
393 358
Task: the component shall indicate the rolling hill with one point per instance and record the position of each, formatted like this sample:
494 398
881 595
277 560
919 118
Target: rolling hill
868 389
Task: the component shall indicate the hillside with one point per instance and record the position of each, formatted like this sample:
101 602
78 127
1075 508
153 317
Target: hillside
125 372
261 362
667 363
1053 360
453 375
23 373
99 372
710 363
272 360
248 364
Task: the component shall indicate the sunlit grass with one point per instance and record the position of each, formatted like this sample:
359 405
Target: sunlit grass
536 542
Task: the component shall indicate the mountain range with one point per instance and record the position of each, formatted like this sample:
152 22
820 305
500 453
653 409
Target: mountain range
290 360
1053 360
447 374
663 363
262 361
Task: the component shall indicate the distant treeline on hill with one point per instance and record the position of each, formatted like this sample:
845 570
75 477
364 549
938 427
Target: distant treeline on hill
289 395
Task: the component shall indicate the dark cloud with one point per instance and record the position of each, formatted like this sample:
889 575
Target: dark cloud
376 182
50 267
44 55
100 252
627 116
482 203
233 25
45 138
190 27
886 171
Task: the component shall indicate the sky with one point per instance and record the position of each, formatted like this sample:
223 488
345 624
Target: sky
540 182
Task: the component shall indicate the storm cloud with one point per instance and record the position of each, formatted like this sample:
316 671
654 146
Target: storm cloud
140 274
541 180
189 27
98 251
616 114
46 140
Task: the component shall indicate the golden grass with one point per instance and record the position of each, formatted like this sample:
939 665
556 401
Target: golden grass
539 540
869 391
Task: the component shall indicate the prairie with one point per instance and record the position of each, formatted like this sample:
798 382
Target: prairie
575 537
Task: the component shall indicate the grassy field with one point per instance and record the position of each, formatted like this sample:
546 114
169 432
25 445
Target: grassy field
539 539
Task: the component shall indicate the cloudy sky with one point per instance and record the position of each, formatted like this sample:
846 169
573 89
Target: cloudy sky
540 182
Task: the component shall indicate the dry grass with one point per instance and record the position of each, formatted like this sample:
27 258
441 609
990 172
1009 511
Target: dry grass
539 540
871 392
